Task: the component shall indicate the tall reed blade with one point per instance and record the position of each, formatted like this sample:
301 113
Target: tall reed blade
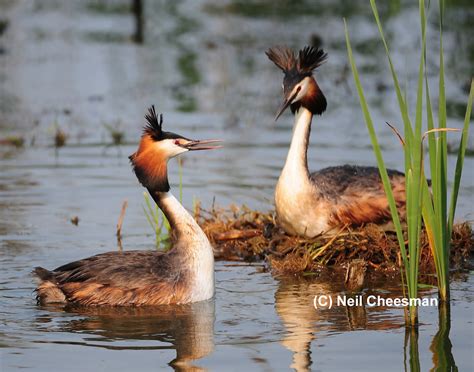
433 203
378 152
421 203
460 160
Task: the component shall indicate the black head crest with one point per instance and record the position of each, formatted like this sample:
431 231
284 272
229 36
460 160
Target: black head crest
154 125
309 58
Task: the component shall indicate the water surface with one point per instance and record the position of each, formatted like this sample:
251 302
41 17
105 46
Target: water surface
73 65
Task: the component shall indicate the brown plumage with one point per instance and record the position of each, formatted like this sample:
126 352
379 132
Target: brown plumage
184 274
355 194
309 58
283 57
314 99
133 278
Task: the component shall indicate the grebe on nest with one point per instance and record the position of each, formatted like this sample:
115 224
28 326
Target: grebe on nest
184 274
308 204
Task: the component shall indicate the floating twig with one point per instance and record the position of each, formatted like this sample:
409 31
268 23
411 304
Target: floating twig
120 223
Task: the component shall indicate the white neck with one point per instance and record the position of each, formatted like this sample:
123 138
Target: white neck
190 244
179 218
184 226
296 165
297 198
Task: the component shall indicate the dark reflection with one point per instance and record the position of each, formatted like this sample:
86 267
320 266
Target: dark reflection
356 317
443 359
137 7
289 9
186 62
294 305
188 328
411 339
441 347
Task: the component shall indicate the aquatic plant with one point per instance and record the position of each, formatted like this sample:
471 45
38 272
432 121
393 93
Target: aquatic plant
421 203
16 141
411 343
108 7
155 216
118 232
157 220
440 345
60 138
116 134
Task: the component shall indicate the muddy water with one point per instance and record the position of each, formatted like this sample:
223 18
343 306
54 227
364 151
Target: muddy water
72 65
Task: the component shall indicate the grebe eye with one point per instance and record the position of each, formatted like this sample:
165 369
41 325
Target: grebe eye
176 142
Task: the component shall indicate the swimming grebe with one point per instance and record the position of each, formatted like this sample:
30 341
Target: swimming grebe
184 274
310 204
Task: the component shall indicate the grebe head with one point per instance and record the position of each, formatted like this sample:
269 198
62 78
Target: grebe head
299 85
157 147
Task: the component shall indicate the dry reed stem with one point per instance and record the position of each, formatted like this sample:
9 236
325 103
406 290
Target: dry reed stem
121 217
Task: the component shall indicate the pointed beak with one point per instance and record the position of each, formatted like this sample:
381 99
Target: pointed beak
285 105
195 145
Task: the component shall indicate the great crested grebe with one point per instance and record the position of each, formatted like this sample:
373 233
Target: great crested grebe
184 274
308 204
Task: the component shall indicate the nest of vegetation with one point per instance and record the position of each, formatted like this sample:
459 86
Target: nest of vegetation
242 234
